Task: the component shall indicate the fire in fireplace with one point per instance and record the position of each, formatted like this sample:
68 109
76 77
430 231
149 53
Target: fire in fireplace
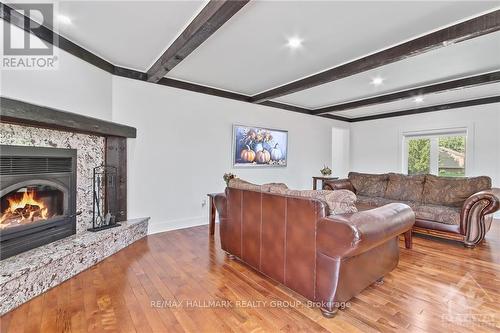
30 204
37 197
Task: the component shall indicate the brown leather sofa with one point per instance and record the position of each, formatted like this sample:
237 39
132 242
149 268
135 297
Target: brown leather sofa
455 208
292 240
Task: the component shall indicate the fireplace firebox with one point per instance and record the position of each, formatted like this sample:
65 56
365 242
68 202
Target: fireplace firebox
37 197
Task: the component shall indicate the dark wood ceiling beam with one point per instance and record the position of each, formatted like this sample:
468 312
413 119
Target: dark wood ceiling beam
462 83
202 89
286 107
208 21
434 108
335 117
13 17
472 28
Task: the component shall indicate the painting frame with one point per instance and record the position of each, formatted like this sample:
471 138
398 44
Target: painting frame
279 141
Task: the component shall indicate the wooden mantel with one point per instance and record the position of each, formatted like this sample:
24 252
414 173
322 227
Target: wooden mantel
22 113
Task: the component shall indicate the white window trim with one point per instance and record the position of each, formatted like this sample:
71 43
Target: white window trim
468 129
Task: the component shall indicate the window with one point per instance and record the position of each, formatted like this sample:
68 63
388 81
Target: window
442 154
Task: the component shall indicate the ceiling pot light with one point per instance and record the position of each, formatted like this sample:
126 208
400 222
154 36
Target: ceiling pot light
419 99
294 42
63 19
377 81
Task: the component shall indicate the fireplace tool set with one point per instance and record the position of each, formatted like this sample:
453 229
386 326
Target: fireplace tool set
104 198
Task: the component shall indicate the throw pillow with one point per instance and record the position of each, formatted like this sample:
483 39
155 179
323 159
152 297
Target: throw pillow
241 184
338 202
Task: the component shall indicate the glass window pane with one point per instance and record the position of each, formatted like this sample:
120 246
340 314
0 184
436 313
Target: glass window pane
452 156
419 156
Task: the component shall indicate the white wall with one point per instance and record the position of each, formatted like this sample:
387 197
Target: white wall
376 145
183 148
74 86
341 151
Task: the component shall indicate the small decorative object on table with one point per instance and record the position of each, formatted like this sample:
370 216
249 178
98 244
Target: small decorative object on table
326 171
104 198
227 177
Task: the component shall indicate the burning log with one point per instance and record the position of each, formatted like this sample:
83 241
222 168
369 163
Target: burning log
25 210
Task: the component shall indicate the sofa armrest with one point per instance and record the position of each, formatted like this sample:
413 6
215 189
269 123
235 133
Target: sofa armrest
475 217
338 184
348 235
220 201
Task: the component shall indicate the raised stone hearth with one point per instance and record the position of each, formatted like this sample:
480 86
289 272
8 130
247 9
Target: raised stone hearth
31 273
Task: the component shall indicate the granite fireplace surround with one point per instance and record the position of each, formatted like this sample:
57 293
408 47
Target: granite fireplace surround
33 272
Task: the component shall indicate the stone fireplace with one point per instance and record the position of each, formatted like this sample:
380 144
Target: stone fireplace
89 149
37 197
47 158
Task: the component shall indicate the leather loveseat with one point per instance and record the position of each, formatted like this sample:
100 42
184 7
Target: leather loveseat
455 208
292 240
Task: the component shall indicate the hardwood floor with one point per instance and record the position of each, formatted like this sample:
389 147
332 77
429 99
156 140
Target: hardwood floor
139 290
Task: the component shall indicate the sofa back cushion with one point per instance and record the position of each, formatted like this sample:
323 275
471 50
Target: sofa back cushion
405 188
372 185
451 191
338 202
241 184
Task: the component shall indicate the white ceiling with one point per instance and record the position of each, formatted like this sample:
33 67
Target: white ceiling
248 54
475 56
429 100
131 34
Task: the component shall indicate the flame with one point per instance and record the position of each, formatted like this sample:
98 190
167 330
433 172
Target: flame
25 208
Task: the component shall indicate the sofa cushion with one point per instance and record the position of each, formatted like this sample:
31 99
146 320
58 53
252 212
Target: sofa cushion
370 202
241 184
405 188
372 185
442 214
451 191
338 202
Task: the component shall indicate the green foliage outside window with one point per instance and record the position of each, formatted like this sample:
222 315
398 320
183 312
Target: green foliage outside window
419 155
456 143
452 147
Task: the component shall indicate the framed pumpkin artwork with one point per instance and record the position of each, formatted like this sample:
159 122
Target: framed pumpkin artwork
259 147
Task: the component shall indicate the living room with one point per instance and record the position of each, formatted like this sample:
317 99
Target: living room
180 142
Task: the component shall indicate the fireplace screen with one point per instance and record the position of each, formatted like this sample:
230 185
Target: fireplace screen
37 197
31 204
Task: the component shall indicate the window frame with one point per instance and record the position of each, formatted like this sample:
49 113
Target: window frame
434 135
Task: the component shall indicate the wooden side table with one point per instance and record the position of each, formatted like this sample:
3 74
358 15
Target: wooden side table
315 181
211 214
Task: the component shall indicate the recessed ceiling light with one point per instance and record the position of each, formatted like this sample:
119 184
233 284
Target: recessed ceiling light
419 99
63 19
377 81
294 42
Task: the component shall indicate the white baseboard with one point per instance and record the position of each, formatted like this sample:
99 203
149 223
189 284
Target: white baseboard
162 226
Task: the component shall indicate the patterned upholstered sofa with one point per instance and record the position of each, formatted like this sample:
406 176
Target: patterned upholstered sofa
456 208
